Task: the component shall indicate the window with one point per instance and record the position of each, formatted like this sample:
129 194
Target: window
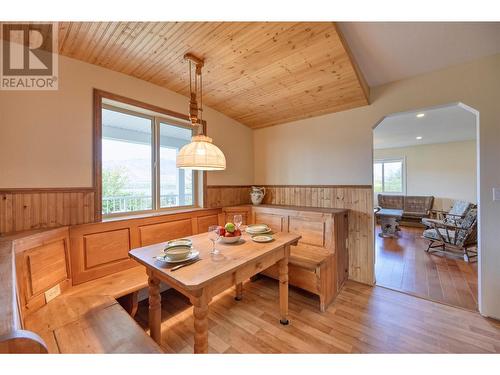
388 176
138 162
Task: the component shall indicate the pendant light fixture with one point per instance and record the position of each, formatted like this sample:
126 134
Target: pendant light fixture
201 154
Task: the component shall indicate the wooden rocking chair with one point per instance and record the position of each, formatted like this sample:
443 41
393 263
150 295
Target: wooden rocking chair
456 239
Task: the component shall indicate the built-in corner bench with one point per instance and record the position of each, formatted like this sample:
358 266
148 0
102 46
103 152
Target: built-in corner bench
74 289
319 264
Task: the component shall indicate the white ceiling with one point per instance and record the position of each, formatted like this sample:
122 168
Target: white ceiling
390 51
439 125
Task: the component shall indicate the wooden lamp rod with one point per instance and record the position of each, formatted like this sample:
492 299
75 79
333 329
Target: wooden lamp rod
195 59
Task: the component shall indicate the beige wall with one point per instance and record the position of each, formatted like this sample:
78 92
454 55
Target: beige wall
337 148
46 137
445 170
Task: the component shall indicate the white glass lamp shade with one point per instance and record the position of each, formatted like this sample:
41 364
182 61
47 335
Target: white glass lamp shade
201 154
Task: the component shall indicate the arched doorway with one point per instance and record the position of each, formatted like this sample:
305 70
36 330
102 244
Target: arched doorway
426 163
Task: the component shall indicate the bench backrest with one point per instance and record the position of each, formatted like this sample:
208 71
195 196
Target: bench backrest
13 338
418 204
42 268
391 201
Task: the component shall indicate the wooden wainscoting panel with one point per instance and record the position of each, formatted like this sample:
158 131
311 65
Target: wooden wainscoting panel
103 248
156 233
359 201
27 209
226 195
204 222
47 266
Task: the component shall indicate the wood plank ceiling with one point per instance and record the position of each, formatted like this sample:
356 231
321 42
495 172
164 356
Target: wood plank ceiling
258 73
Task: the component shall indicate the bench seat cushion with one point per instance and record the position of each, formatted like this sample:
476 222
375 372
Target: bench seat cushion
307 256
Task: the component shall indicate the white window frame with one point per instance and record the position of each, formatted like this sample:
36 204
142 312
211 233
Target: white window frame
403 177
156 120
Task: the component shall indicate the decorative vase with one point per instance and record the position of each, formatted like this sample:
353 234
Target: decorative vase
257 195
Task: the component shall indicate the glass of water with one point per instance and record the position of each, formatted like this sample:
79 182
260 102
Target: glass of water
214 235
238 220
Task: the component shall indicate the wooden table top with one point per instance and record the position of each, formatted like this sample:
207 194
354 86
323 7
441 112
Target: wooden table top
199 274
392 212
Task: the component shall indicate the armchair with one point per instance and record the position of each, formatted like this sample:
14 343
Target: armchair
458 237
453 216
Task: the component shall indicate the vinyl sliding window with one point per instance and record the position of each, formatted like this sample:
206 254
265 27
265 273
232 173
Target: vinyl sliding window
389 176
138 172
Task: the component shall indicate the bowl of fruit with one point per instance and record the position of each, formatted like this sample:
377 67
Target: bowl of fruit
229 233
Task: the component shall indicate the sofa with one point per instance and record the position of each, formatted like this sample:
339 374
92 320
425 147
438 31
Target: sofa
415 208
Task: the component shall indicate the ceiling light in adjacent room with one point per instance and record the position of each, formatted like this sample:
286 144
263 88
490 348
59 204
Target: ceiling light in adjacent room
420 115
419 138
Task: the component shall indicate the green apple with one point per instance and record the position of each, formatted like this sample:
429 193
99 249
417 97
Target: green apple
230 227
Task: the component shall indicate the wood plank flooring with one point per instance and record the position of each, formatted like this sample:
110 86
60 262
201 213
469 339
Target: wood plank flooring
402 264
362 319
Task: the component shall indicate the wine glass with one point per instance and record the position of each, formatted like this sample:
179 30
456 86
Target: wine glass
214 235
238 220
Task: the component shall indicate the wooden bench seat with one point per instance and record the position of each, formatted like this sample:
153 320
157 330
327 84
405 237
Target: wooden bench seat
116 285
309 267
308 257
74 321
319 263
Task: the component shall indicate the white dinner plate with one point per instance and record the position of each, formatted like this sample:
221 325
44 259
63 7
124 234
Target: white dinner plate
258 233
165 259
262 238
257 227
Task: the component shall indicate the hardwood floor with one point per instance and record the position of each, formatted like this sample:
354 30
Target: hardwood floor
402 264
362 319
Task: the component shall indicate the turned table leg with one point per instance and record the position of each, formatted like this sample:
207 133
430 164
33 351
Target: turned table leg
239 292
283 289
154 308
200 312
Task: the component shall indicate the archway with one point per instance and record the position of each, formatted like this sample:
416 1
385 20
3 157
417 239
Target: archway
417 155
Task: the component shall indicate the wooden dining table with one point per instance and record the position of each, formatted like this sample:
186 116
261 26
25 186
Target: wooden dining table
211 275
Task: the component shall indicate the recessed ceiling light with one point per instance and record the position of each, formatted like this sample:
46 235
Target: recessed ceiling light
419 138
420 115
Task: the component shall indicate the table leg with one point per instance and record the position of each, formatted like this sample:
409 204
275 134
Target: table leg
200 312
283 279
154 308
239 292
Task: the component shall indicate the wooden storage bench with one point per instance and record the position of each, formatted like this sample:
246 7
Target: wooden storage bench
319 264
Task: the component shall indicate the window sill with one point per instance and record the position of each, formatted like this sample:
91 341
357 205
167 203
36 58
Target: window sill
152 214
